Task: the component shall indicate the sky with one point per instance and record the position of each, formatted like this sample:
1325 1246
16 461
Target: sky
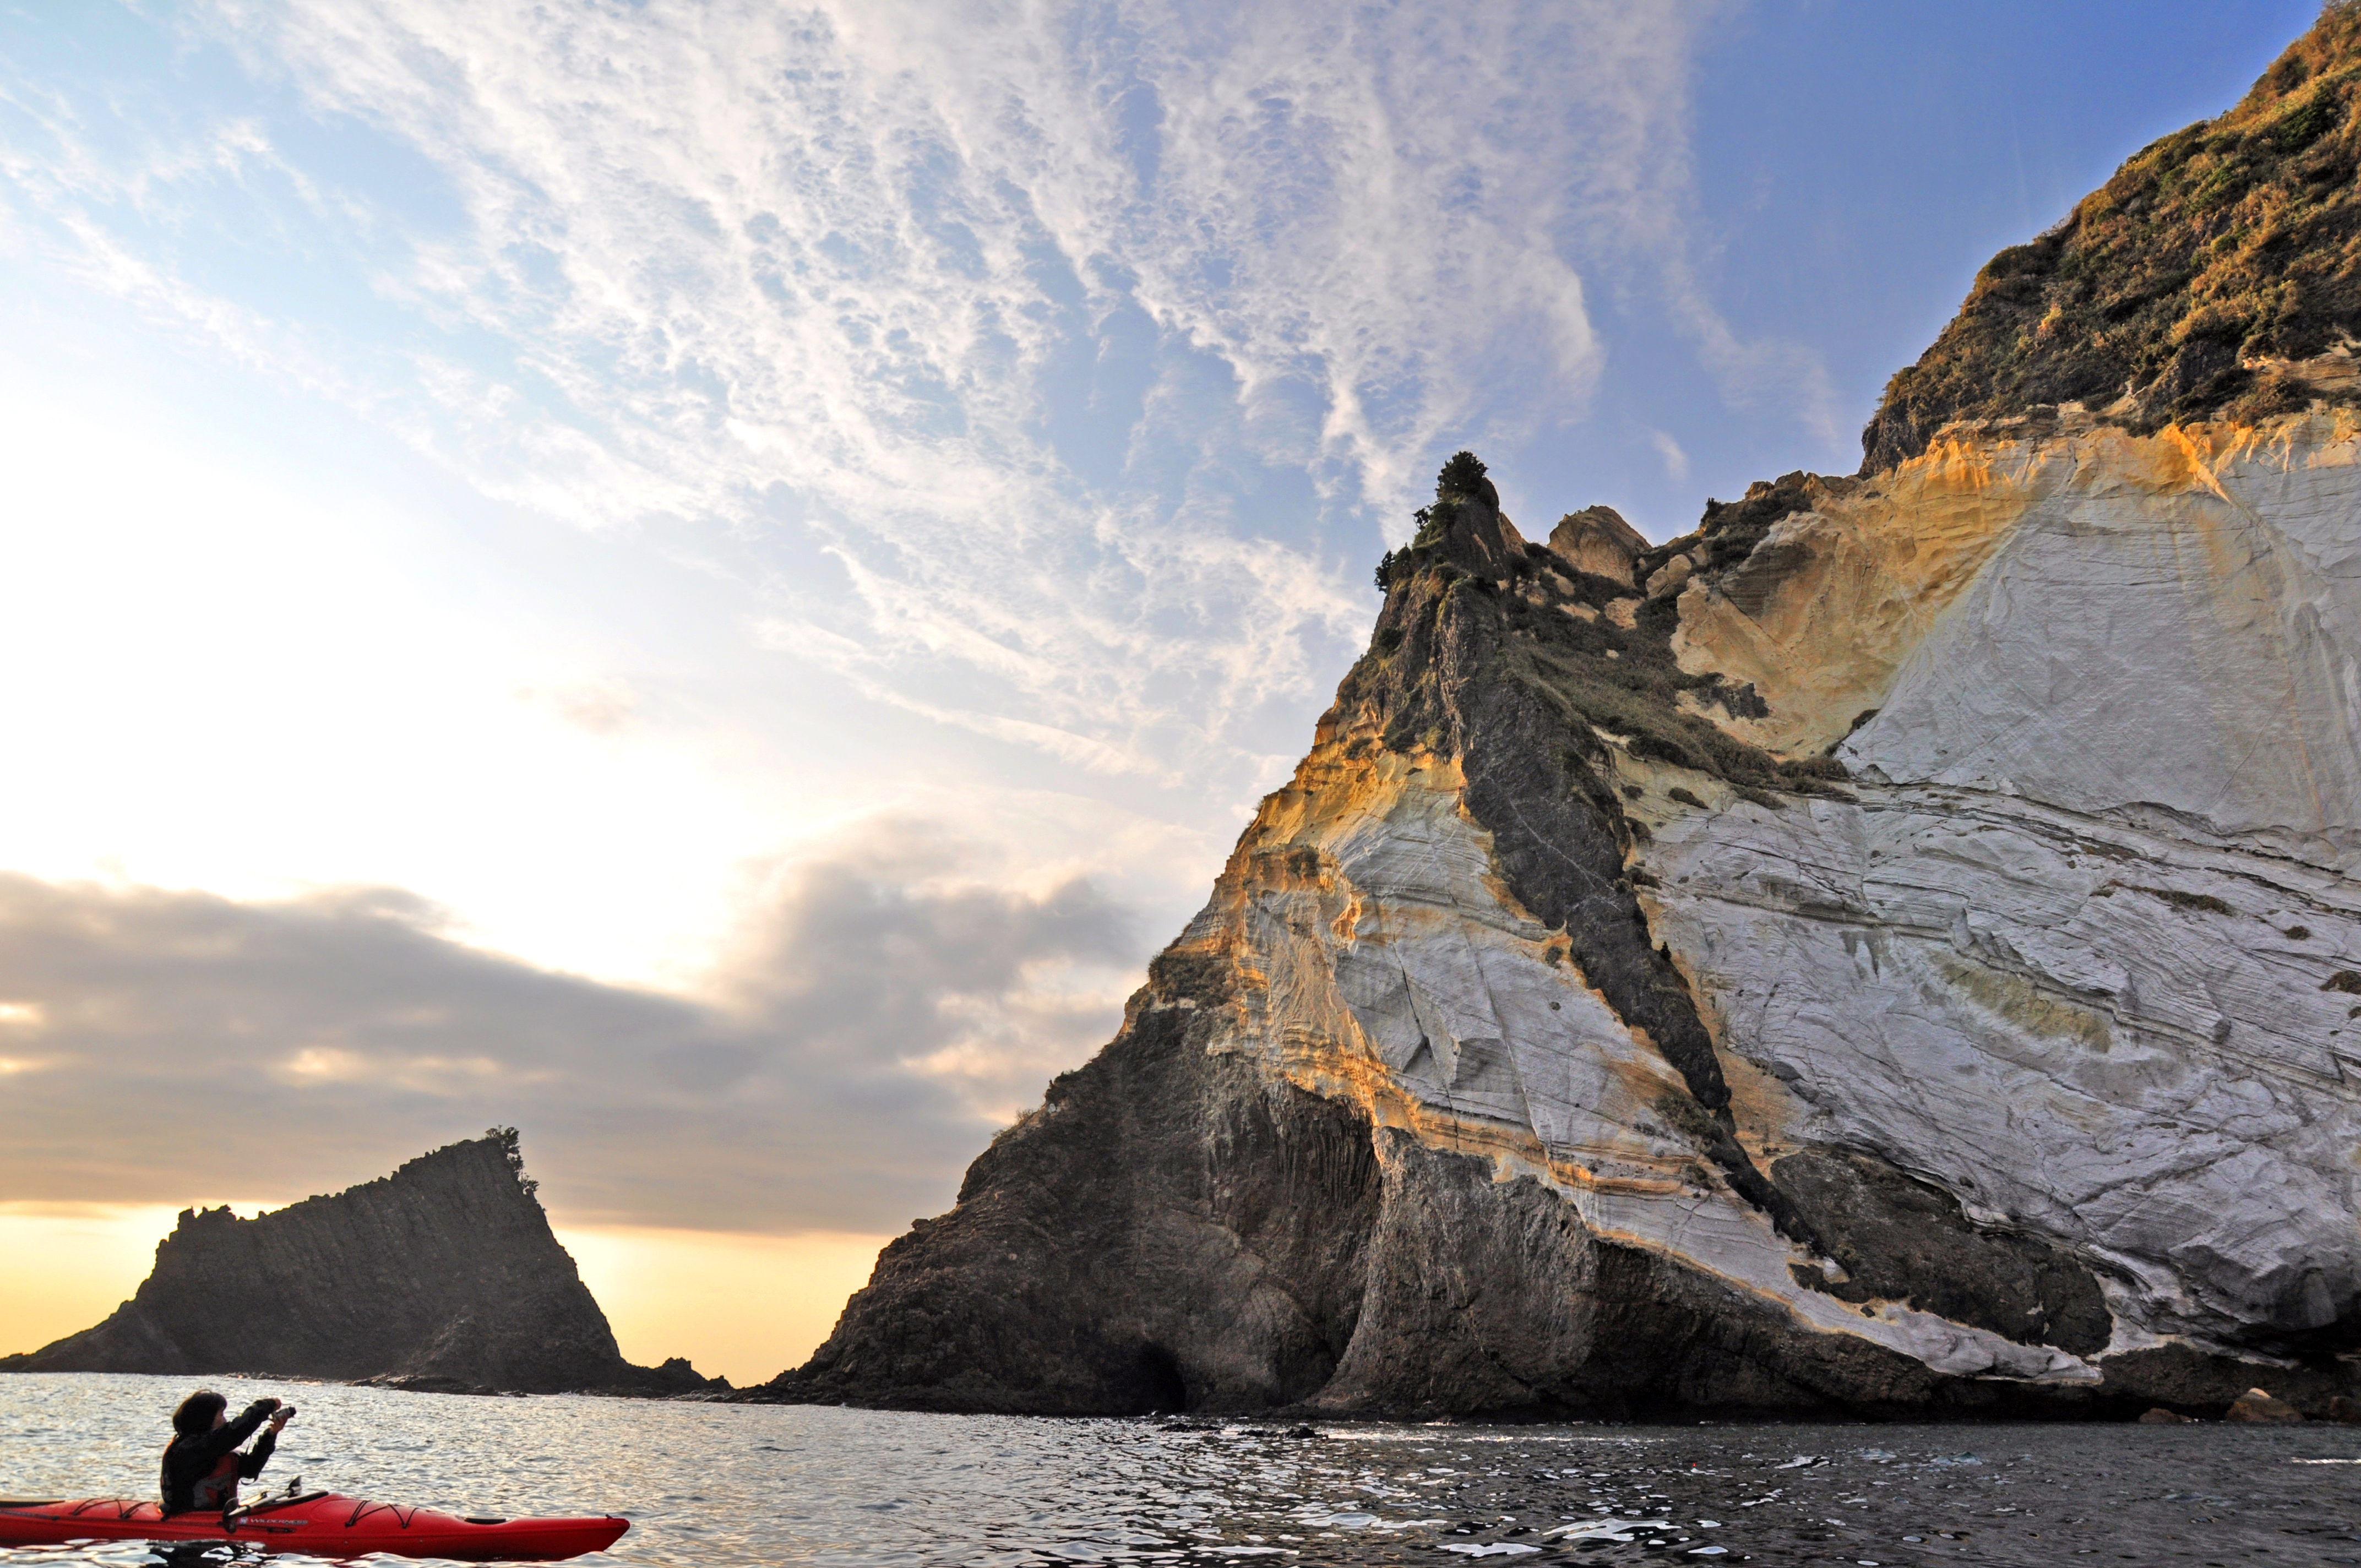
710 579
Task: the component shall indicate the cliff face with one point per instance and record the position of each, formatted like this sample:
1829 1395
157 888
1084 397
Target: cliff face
443 1276
1894 950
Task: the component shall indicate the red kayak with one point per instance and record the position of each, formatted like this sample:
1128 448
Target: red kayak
320 1523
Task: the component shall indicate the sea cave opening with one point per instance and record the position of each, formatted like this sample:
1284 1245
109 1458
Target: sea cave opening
1162 1390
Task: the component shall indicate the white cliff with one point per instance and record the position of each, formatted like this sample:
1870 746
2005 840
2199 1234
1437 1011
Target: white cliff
2080 950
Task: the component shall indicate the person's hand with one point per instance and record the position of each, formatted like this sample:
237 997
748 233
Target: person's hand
279 1421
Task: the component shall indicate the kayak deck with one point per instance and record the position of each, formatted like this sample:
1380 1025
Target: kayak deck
325 1524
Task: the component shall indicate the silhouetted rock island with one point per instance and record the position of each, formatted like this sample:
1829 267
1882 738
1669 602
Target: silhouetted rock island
442 1277
1896 949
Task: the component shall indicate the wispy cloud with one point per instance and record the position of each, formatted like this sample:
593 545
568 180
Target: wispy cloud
1676 461
1761 372
875 1018
1089 340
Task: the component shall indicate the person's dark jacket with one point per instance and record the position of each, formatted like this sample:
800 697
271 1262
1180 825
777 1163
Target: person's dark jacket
203 1471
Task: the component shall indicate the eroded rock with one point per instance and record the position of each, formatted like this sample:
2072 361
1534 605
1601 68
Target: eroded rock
1598 541
1670 577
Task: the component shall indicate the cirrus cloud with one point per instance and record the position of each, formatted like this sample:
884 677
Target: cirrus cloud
1045 366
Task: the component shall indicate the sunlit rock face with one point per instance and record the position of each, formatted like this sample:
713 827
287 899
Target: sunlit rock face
1596 540
1576 1034
444 1276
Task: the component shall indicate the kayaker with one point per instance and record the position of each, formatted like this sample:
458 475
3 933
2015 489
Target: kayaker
203 1465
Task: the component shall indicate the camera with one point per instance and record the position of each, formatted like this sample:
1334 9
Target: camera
286 1412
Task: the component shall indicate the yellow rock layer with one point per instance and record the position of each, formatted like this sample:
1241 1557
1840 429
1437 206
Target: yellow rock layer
1878 561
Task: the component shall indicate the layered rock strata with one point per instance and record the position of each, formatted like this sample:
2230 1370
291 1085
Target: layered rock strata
444 1276
1894 950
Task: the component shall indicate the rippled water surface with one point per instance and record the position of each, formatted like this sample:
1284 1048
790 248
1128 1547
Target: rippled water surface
722 1484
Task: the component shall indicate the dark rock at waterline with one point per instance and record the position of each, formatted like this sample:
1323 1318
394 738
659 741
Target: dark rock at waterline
444 1276
2160 1416
1181 1235
2258 1407
1130 1249
1173 1232
2184 1378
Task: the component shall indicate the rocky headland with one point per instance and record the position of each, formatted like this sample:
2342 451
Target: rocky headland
444 1276
1894 950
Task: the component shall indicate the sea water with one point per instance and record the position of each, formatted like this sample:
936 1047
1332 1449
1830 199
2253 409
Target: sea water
722 1484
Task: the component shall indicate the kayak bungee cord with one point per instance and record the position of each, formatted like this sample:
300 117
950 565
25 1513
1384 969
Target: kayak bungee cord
368 1508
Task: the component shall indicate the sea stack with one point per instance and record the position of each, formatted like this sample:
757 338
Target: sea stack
444 1276
1893 949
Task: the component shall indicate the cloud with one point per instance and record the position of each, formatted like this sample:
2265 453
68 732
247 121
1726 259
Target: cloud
1676 462
1764 371
873 1022
1092 341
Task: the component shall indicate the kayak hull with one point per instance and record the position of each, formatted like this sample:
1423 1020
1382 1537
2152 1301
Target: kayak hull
322 1524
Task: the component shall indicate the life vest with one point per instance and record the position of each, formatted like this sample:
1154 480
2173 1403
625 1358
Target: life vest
218 1489
213 1492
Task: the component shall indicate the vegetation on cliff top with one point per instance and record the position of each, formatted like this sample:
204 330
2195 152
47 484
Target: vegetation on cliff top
2234 241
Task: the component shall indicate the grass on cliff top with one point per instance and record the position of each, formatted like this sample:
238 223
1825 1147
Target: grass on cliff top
2236 238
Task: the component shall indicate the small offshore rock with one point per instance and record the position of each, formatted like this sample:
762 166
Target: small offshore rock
443 1277
1314 1431
2258 1405
2160 1416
